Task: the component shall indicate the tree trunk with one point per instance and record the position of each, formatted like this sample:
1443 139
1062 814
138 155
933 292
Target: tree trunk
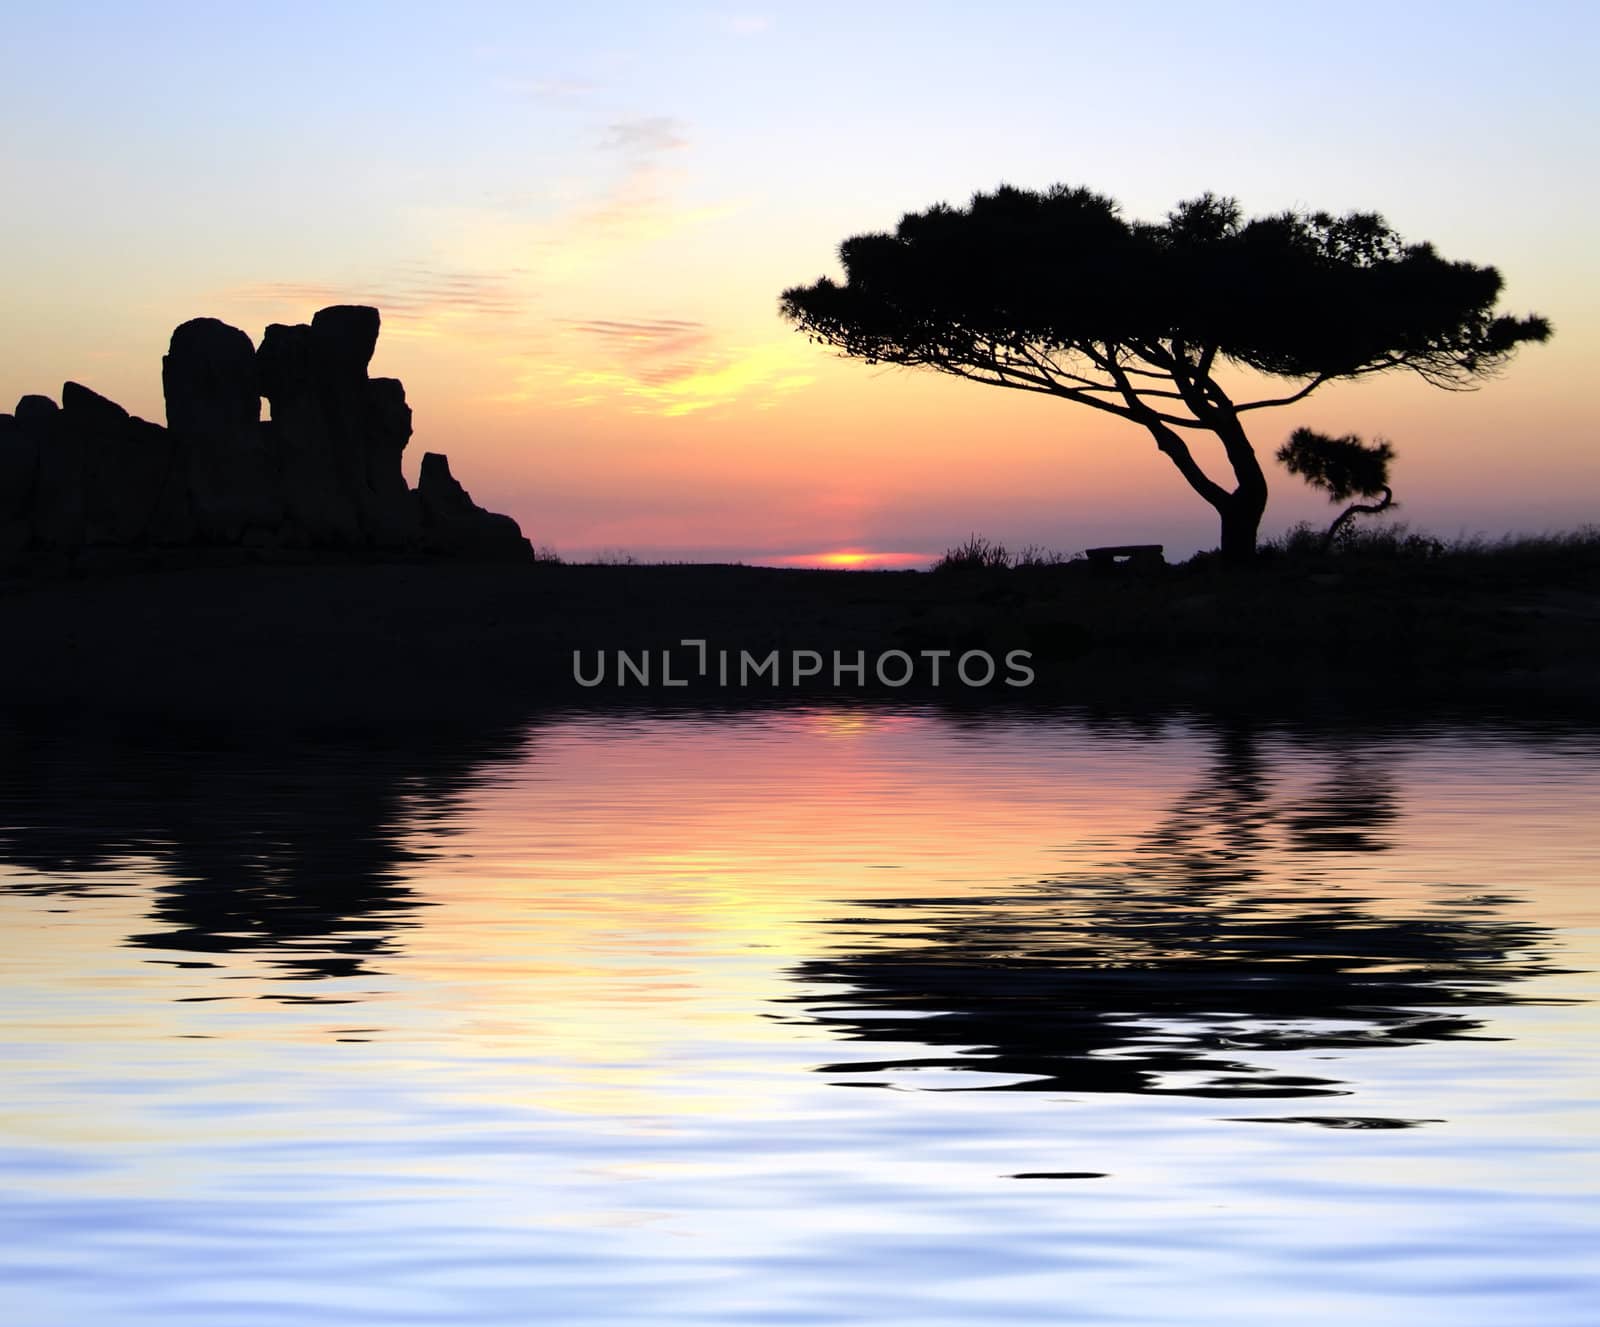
1241 509
1241 519
1351 512
1241 513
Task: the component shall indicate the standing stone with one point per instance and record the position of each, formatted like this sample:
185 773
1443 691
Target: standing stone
324 471
454 524
391 507
317 503
35 411
340 435
162 489
19 465
214 413
343 338
58 498
127 468
209 378
96 428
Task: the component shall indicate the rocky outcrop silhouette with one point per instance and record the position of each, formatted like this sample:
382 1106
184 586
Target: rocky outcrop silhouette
323 473
449 515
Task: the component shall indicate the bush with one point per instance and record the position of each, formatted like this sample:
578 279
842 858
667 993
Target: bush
977 554
1036 555
1566 545
1304 541
980 554
1399 541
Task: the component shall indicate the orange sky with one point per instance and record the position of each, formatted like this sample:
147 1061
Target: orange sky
578 238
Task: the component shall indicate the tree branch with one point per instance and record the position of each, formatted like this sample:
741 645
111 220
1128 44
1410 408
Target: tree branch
1177 451
1288 400
1031 385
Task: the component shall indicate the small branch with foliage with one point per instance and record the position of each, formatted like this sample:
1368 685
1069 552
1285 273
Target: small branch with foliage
1343 468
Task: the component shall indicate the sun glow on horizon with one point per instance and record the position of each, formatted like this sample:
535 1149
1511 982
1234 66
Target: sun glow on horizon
856 559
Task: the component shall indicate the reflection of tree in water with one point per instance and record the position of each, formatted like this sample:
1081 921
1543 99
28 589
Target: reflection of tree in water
1216 941
294 850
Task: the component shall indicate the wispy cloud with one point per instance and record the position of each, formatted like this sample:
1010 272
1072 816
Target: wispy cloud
668 366
655 351
407 292
645 136
639 331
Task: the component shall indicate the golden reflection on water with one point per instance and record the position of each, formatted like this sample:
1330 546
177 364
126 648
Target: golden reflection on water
604 979
608 891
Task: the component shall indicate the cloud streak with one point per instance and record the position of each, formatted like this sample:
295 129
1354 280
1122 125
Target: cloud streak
646 136
654 351
407 292
670 366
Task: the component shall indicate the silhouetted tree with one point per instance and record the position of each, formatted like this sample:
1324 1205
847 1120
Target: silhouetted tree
1055 292
1343 468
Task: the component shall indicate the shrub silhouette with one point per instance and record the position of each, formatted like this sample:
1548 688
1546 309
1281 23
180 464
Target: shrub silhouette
1343 468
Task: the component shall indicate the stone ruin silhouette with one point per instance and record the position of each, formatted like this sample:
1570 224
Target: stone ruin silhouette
322 474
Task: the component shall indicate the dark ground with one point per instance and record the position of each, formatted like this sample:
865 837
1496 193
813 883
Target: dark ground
422 641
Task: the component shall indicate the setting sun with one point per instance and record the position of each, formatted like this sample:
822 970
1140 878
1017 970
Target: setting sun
855 559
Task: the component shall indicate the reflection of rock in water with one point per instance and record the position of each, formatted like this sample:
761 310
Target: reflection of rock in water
294 850
1174 972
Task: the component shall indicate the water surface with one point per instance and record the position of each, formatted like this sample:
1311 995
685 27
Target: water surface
805 1017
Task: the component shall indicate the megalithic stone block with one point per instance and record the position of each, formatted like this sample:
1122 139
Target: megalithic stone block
323 472
213 399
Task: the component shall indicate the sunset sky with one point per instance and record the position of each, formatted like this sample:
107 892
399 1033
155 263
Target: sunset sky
577 224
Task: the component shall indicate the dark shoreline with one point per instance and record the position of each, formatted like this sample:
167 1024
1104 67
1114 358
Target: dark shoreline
413 641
